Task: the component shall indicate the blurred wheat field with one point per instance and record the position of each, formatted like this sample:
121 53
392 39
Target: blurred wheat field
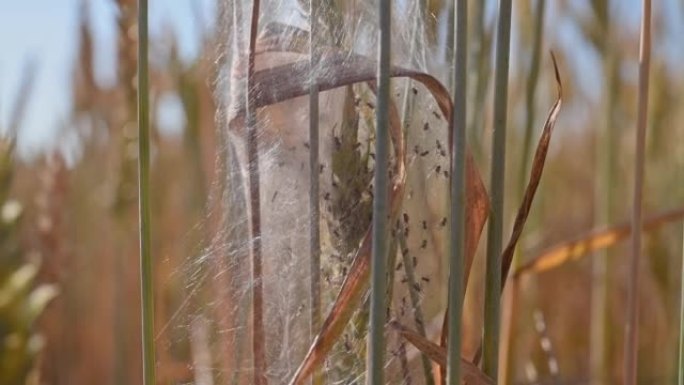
69 277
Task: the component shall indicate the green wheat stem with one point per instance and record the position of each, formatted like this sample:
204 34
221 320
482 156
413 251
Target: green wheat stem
492 311
314 186
378 306
457 193
632 327
146 275
681 320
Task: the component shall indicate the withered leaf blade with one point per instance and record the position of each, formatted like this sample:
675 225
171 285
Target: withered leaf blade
567 251
284 82
472 375
535 176
530 191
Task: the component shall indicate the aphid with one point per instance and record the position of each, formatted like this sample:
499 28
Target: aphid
406 218
424 153
275 194
406 232
426 126
436 115
321 167
393 233
425 279
338 142
405 251
347 344
443 222
424 244
424 225
442 152
344 271
416 149
306 144
404 280
417 287
415 261
439 145
370 105
446 174
415 91
438 169
326 196
399 266
336 234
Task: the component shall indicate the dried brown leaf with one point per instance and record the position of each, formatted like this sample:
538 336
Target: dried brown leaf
472 375
595 240
535 176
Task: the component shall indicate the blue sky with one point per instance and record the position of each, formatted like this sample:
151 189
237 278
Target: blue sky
44 32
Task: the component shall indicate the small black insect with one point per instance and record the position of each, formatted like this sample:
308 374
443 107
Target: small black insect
424 153
424 225
415 91
424 244
415 261
326 196
446 174
306 144
443 222
426 126
406 218
425 279
405 251
438 169
399 266
417 287
436 115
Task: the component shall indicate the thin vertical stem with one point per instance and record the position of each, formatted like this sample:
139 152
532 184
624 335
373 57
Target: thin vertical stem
495 228
457 194
314 185
378 311
681 319
632 329
606 150
146 274
508 338
258 346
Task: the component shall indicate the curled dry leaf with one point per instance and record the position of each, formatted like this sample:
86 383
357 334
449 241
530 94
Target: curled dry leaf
530 191
472 375
535 176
